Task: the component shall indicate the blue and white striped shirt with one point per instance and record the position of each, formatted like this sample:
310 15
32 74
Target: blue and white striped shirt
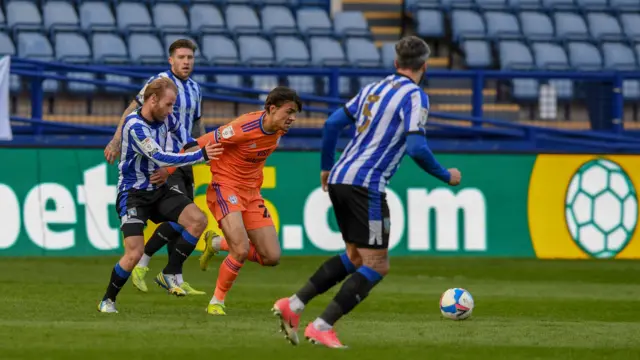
143 144
186 110
384 113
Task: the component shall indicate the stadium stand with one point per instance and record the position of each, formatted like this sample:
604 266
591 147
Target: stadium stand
562 35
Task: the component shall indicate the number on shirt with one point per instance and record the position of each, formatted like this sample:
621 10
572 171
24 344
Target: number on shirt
366 111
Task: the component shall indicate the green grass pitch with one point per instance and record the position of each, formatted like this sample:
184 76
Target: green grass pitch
525 309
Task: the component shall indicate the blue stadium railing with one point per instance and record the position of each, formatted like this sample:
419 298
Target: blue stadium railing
483 135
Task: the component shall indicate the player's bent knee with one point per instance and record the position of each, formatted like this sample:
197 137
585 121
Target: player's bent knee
271 259
194 220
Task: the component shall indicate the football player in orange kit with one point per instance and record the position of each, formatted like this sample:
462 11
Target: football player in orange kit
234 193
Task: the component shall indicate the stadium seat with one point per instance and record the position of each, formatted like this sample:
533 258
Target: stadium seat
631 25
362 53
327 51
554 5
625 5
108 48
618 56
514 55
551 56
491 5
592 5
584 56
132 16
412 6
604 27
170 18
388 54
242 20
33 45
292 51
314 21
222 51
278 20
467 24
60 15
146 49
350 23
257 51
570 26
524 5
23 15
536 26
502 26
96 16
206 19
430 24
477 54
457 4
72 47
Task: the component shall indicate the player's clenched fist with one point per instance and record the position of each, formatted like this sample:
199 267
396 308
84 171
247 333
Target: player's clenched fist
212 150
455 178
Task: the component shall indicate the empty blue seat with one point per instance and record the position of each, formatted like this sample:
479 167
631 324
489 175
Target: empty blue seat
570 26
278 20
146 49
36 46
467 24
242 19
477 54
625 5
592 5
132 16
96 16
522 5
72 47
257 51
430 24
23 15
109 48
551 56
388 54
350 23
491 5
604 27
60 15
631 25
558 4
584 56
536 26
314 21
502 25
362 52
326 51
516 55
170 18
206 19
618 56
292 51
222 51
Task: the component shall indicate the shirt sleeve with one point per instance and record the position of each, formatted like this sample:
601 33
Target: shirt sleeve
231 133
352 106
145 145
414 112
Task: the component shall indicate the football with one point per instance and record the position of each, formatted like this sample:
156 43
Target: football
456 304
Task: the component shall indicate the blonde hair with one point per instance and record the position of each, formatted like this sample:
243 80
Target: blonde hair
158 86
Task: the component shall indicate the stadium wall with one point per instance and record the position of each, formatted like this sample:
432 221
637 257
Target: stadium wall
61 202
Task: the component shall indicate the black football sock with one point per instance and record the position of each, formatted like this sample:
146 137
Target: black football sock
354 290
184 247
119 277
164 234
330 273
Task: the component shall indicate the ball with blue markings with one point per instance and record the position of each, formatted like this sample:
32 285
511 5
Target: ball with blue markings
456 304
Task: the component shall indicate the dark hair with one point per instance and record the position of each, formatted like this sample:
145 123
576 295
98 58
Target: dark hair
280 95
158 87
411 53
182 44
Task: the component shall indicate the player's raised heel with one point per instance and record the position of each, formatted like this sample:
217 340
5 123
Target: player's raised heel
210 237
328 338
289 320
168 283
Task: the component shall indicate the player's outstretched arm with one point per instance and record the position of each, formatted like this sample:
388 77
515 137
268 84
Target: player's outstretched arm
145 145
419 151
338 120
